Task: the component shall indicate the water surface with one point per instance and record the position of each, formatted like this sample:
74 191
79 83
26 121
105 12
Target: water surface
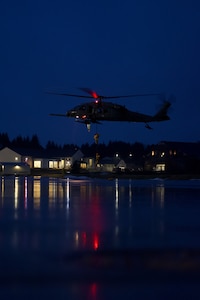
95 238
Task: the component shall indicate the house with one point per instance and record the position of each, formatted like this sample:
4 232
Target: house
87 163
110 164
134 164
174 157
40 158
58 159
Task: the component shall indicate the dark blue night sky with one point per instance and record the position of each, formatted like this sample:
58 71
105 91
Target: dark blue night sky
115 47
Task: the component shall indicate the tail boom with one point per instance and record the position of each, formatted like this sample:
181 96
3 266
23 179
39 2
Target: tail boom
161 115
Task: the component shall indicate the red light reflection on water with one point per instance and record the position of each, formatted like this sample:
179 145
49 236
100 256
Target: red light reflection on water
84 238
89 291
87 240
93 290
95 241
90 218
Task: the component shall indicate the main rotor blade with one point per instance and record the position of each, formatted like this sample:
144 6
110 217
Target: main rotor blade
129 96
58 115
96 96
70 95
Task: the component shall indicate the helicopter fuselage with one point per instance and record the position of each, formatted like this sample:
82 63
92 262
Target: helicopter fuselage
108 111
99 110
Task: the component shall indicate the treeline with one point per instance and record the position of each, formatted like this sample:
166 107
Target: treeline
20 142
122 148
29 143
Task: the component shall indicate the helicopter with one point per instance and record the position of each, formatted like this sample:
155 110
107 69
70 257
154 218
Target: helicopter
100 110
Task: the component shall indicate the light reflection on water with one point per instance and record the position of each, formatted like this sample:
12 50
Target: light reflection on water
116 212
52 216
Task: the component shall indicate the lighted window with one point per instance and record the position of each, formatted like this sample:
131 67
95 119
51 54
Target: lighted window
90 162
53 164
37 164
160 167
83 165
152 153
61 164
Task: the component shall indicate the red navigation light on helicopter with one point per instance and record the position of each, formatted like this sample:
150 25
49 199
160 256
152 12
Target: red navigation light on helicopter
94 94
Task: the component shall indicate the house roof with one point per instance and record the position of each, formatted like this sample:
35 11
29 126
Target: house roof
44 153
110 160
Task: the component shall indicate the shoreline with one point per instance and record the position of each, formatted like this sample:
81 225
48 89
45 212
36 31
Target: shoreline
110 175
142 176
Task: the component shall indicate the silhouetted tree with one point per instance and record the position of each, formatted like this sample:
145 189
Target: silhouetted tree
110 149
69 147
86 149
4 140
138 149
122 148
34 142
26 142
18 142
51 145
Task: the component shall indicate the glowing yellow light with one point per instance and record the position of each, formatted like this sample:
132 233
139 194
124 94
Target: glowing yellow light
160 167
37 163
16 191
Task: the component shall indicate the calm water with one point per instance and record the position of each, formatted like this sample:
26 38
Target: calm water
80 238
